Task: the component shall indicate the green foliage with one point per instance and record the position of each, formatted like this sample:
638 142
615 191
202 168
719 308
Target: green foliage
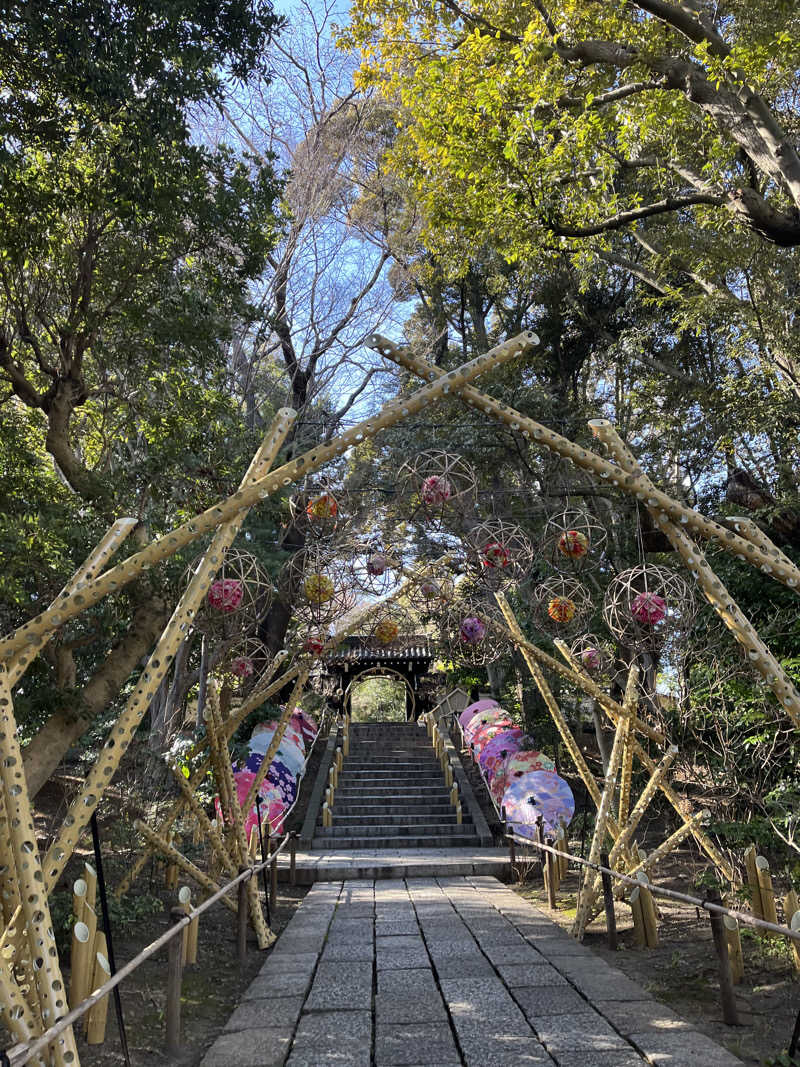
124 913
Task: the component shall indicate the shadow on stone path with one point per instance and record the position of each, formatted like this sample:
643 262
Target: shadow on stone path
438 972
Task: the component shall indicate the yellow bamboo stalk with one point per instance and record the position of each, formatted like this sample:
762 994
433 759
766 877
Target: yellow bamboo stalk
752 881
209 830
715 592
186 865
791 916
649 916
90 567
90 877
637 913
96 1015
33 896
610 473
671 842
111 581
735 954
82 957
629 704
767 891
747 528
641 805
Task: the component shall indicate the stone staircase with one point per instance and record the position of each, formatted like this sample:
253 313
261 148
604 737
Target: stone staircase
392 795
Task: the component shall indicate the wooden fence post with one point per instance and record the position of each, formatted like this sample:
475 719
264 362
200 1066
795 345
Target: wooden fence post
727 995
241 921
174 981
608 901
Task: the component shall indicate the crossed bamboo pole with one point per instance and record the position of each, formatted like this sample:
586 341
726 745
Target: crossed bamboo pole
68 605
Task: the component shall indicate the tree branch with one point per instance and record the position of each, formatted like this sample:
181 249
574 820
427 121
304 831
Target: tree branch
625 218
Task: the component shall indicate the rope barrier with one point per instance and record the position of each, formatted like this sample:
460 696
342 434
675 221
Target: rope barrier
21 1054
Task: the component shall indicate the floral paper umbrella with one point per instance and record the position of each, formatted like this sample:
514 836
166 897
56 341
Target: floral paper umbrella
538 793
288 754
273 807
518 764
483 736
495 753
473 709
482 718
305 724
262 735
284 779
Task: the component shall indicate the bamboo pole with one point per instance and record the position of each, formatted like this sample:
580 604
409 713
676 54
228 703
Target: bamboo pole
90 567
752 880
715 592
791 916
209 830
608 472
641 805
98 1013
649 916
65 608
33 895
667 846
767 892
82 957
747 528
637 912
193 872
17 1015
629 704
735 954
185 902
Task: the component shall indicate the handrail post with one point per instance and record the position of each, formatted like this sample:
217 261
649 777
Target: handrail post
730 1013
174 982
547 873
608 901
292 858
273 881
241 920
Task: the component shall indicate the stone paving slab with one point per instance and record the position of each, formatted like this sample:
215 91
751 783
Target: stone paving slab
429 972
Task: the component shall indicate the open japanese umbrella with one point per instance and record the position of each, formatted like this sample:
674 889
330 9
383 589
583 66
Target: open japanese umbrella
287 752
538 793
273 806
483 736
481 719
304 724
263 732
518 763
496 751
284 780
473 709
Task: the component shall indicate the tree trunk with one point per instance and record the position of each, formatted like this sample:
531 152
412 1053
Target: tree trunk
64 727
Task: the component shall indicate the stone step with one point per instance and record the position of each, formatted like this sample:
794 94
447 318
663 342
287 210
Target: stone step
393 830
382 777
394 842
403 806
437 818
364 793
398 765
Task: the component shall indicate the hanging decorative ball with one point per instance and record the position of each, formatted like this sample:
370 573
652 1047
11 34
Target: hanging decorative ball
432 594
649 606
377 564
430 589
314 645
435 491
472 630
498 553
435 485
225 595
242 667
386 631
561 609
559 604
318 588
573 541
495 555
237 598
321 507
318 511
593 654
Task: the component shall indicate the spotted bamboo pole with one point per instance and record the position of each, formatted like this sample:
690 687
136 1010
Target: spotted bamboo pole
629 705
747 528
208 829
163 846
33 895
66 607
608 472
225 789
122 732
90 567
600 829
669 844
715 592
613 711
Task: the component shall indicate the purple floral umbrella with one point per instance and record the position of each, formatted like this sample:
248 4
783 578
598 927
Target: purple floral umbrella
473 709
538 793
495 753
287 752
283 779
481 719
263 731
518 763
483 736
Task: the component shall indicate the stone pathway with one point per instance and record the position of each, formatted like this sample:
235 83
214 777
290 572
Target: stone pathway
344 863
439 972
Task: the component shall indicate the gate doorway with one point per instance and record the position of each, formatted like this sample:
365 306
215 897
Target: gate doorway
380 694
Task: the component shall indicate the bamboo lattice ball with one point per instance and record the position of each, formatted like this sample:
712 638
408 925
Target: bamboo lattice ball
371 568
593 654
388 624
237 598
243 664
319 511
647 606
431 596
436 486
467 635
560 605
498 553
573 541
318 585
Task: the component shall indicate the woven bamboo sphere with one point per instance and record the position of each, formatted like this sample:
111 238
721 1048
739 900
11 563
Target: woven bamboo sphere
237 598
319 511
390 623
573 541
243 665
431 595
372 568
560 605
594 654
498 553
436 486
318 586
649 605
466 635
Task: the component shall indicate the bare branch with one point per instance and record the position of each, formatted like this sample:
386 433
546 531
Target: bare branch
625 218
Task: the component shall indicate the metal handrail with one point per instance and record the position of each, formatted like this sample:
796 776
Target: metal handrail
21 1054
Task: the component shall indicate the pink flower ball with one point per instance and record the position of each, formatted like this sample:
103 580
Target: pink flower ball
243 667
648 608
436 490
472 630
226 594
591 658
377 564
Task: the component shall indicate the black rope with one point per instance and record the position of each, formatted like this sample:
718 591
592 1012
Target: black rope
263 857
101 887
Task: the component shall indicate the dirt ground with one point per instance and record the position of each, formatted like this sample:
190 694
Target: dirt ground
682 971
